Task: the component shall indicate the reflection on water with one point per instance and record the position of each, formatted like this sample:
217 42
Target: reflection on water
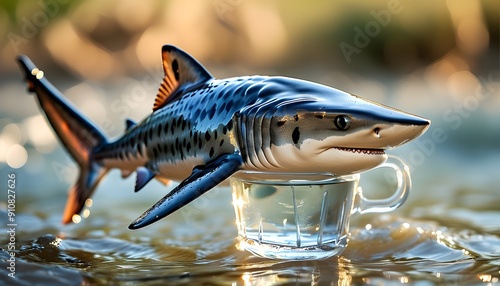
392 250
382 249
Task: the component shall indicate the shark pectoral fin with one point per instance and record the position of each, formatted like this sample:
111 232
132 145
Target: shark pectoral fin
201 180
144 175
164 181
180 69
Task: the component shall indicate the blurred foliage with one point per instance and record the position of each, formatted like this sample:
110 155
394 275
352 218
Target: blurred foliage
103 39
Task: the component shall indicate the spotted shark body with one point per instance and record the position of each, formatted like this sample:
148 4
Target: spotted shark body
203 130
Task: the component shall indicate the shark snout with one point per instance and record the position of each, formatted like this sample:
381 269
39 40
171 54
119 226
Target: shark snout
387 128
392 135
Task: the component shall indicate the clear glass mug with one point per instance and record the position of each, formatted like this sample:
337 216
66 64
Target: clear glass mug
305 216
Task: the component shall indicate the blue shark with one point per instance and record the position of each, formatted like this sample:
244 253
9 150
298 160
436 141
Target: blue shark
203 130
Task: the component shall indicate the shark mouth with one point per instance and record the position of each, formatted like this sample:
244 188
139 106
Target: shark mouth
362 151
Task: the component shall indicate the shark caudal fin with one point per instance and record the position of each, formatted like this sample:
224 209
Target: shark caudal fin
77 133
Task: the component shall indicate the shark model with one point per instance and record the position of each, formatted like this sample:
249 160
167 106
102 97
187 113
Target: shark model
203 130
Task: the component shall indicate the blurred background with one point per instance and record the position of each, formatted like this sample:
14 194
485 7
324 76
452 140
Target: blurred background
437 59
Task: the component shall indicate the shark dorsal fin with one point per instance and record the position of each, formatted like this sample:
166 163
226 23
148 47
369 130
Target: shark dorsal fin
180 69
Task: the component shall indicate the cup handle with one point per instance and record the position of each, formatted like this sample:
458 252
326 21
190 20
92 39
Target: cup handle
398 197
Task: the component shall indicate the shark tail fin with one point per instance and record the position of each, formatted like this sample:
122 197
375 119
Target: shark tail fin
78 134
80 192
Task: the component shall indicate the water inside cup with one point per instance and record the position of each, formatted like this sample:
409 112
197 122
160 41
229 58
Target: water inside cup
304 215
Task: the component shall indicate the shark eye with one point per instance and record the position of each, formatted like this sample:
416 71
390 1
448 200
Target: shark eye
342 122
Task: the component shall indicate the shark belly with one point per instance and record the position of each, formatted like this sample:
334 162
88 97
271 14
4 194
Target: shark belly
178 171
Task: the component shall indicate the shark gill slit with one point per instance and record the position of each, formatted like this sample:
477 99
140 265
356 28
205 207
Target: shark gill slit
258 136
260 121
266 144
250 140
252 130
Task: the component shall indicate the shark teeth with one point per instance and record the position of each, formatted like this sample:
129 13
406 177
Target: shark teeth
362 151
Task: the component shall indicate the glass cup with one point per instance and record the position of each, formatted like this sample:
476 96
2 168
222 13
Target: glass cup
305 216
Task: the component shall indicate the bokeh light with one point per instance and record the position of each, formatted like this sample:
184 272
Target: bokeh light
40 133
16 156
